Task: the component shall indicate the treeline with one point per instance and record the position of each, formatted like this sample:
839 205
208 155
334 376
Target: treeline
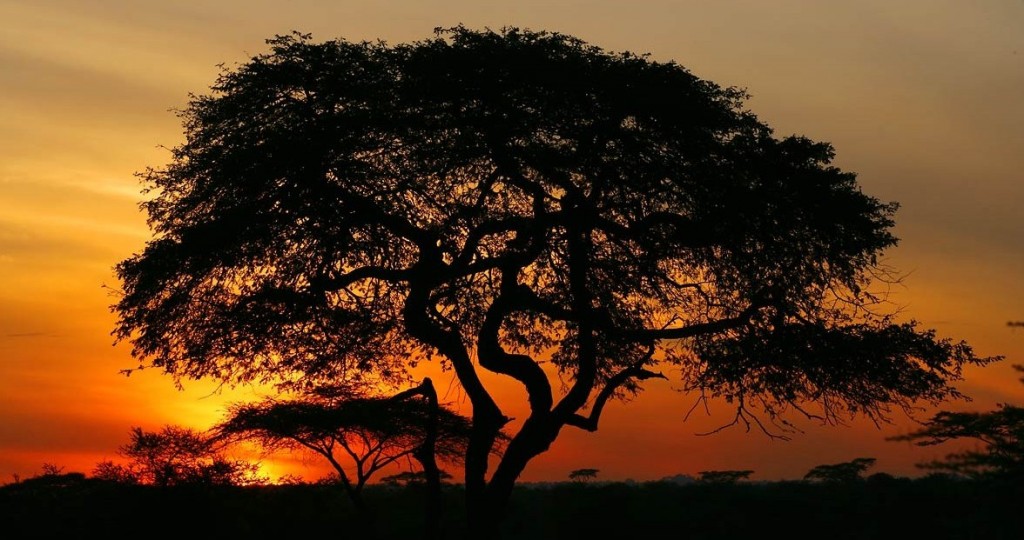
58 505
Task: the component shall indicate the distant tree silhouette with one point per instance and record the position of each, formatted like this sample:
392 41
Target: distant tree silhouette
52 469
1000 431
484 199
116 472
723 477
583 475
176 456
352 432
850 471
411 478
52 476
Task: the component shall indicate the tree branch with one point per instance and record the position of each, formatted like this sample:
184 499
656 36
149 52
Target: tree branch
518 366
692 330
353 276
634 371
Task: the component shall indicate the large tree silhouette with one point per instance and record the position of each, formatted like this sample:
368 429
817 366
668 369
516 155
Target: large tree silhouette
526 204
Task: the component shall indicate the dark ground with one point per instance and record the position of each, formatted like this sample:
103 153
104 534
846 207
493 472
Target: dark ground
69 506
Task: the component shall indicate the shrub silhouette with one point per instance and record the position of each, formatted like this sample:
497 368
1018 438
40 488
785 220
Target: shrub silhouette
410 478
173 456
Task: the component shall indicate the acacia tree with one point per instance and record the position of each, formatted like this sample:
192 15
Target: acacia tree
513 201
364 434
583 475
1000 432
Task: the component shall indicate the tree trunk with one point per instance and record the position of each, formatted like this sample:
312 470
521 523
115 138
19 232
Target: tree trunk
425 454
533 439
364 514
481 441
365 518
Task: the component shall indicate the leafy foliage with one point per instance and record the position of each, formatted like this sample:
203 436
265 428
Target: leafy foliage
319 183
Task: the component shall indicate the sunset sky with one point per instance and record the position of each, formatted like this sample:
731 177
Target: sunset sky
923 99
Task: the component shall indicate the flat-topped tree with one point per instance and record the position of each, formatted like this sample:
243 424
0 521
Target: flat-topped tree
351 431
583 475
487 199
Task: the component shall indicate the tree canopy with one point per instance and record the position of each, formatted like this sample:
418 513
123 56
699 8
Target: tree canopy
849 471
1000 433
523 203
583 475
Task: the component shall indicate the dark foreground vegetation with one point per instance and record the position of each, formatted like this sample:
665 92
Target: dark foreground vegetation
936 507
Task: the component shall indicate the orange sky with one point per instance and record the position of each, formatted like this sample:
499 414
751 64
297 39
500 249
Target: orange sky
922 98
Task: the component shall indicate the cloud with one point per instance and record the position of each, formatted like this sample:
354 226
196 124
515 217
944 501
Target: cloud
29 334
103 47
57 242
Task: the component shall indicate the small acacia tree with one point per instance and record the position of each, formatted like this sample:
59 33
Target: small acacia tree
491 199
583 475
356 433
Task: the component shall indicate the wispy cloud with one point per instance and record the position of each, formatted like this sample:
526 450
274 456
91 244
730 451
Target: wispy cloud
29 334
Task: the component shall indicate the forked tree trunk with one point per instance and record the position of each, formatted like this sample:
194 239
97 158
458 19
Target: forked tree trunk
480 520
485 517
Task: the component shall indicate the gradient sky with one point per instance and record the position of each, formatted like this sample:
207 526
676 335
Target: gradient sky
921 98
